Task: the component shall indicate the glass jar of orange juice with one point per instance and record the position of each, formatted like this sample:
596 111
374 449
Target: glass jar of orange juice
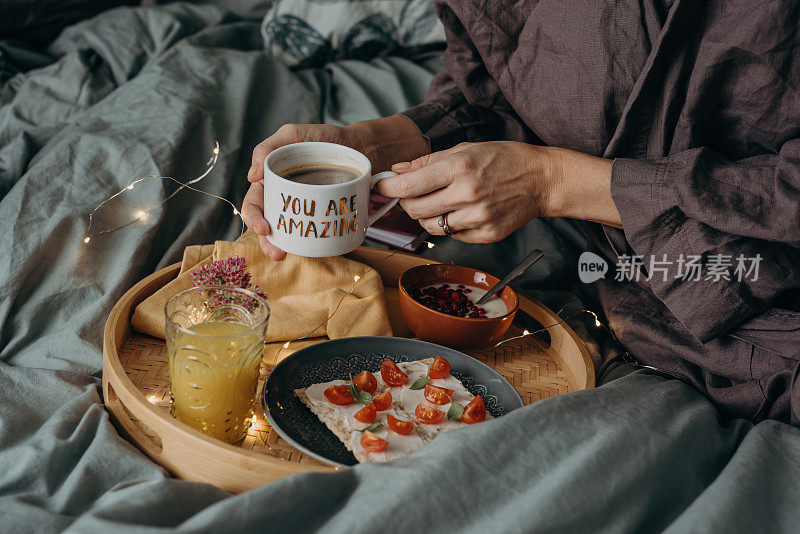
215 338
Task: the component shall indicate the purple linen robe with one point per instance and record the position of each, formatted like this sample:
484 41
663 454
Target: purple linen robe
699 105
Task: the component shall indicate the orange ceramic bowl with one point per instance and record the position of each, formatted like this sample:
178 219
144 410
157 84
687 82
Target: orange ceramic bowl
458 332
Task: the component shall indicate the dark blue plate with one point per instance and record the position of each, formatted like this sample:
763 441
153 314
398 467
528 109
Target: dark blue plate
342 358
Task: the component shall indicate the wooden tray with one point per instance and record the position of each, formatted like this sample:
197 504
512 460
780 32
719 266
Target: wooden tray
136 385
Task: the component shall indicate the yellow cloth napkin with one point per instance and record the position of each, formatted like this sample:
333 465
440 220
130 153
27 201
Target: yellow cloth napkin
308 297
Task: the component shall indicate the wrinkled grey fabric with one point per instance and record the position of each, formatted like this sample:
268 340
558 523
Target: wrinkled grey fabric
147 90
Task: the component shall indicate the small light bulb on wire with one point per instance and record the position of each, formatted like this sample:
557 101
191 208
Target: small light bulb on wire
286 345
87 239
356 278
432 245
152 399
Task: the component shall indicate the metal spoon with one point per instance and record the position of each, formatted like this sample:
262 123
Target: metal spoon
532 258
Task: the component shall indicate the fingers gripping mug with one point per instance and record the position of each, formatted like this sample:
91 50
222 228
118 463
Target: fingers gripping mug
316 198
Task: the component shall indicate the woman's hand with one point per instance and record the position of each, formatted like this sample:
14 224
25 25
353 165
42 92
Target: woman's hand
490 189
253 205
383 141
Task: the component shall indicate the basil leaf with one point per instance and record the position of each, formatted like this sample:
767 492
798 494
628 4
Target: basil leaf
455 412
363 397
360 396
372 428
420 383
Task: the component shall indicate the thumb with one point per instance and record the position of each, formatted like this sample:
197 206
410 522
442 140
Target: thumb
428 159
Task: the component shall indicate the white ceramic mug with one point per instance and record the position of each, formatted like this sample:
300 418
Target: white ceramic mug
319 220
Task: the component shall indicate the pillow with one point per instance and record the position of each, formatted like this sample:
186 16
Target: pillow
313 32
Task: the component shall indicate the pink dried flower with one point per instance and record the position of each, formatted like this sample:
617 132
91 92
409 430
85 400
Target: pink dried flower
230 272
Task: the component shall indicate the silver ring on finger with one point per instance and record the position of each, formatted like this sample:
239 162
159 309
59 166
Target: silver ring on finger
444 226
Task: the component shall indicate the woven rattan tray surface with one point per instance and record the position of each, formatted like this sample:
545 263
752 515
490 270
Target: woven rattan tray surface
136 385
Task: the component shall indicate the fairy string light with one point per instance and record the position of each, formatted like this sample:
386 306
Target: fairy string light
430 246
141 214
562 320
524 334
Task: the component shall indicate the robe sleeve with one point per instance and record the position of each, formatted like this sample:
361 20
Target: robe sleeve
733 214
464 103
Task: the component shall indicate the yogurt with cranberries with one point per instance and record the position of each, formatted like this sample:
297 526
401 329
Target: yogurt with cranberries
459 300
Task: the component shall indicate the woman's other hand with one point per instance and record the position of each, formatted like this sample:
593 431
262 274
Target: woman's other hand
490 189
384 141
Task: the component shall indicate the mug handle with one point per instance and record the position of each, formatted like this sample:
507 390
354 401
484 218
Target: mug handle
386 207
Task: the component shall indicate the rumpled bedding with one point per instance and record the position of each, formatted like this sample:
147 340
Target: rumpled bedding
145 91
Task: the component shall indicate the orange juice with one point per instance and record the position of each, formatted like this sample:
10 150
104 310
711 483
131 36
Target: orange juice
213 370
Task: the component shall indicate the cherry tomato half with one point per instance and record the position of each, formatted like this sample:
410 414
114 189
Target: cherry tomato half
440 368
438 395
475 412
366 414
366 381
427 415
383 401
372 443
392 374
339 395
399 426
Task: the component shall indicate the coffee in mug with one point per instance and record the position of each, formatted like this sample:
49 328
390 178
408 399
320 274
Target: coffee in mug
316 198
320 174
